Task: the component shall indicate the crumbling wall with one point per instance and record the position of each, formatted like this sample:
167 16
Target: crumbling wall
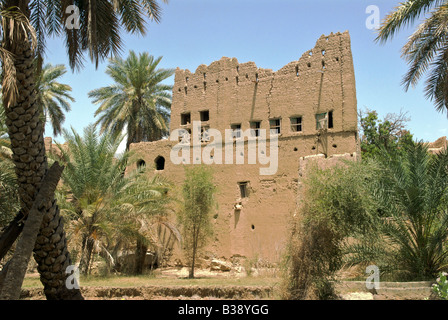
438 146
237 93
320 81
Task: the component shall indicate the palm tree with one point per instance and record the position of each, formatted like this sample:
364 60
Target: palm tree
24 25
104 204
427 49
53 97
412 197
9 202
140 219
5 146
90 179
3 128
138 101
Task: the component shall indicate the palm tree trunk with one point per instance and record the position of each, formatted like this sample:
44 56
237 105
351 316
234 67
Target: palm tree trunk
83 250
86 256
140 256
27 143
11 288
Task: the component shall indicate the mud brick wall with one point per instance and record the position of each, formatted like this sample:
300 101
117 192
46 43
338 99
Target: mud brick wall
321 81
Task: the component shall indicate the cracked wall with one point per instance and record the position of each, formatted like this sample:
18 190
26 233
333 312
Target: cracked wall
321 80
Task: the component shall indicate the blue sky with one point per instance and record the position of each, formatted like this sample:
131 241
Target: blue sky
270 33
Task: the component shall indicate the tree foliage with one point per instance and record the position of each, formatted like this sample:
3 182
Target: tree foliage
138 101
427 47
24 26
388 135
195 217
411 196
390 211
53 97
106 208
334 205
100 25
9 201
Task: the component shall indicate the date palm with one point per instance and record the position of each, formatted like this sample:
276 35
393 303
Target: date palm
5 147
104 204
412 195
9 202
426 51
24 25
137 101
53 97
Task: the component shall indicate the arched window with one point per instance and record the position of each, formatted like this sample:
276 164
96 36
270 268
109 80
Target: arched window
141 163
160 163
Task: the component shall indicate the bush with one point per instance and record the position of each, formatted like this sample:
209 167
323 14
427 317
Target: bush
335 205
310 263
440 288
390 211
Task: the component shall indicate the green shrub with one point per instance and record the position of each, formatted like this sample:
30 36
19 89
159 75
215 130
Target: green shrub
334 205
440 288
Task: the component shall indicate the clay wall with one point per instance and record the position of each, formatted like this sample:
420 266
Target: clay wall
321 81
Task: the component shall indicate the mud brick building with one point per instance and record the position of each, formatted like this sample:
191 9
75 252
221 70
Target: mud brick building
310 104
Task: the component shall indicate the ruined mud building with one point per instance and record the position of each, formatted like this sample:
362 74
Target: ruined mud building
309 103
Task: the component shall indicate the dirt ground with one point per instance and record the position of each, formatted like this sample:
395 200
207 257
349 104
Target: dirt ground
207 289
121 289
206 293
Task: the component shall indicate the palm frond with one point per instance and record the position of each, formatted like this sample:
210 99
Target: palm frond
53 98
426 49
14 26
404 15
137 100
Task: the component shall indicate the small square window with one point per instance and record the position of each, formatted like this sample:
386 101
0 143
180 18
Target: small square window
274 125
321 121
296 124
255 128
236 128
185 118
324 120
205 116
